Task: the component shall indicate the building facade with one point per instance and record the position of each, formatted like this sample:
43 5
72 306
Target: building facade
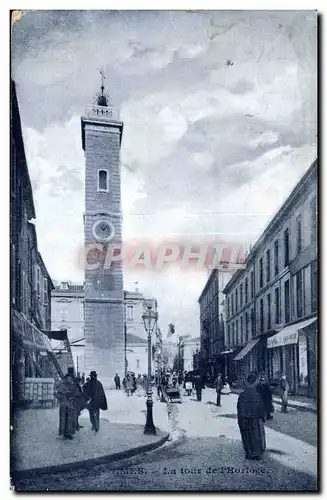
67 313
271 306
212 336
31 284
104 300
190 348
136 350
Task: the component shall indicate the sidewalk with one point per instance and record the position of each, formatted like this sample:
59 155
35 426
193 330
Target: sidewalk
298 402
37 448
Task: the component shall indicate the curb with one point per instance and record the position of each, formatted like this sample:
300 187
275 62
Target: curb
91 462
309 409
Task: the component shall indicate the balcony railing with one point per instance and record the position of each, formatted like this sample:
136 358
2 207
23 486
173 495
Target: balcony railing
105 112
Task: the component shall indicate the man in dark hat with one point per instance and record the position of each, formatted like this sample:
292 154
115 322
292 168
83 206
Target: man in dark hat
71 402
96 399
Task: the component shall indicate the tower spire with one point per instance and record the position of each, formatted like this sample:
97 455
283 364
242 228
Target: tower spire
102 99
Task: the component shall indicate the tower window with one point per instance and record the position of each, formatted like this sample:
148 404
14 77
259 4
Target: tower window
103 180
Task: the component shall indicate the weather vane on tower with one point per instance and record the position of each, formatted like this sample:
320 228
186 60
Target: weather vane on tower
102 97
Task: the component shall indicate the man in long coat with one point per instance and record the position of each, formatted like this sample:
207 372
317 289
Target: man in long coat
251 414
71 402
96 399
266 396
219 386
198 383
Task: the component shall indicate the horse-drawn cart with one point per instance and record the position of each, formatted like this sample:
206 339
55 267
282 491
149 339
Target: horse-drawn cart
173 394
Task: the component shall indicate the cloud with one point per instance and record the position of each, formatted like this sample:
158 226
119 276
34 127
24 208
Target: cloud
209 148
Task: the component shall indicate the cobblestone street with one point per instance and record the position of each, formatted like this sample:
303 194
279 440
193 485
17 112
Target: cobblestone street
205 453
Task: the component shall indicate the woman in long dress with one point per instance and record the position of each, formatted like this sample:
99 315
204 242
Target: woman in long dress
251 414
71 402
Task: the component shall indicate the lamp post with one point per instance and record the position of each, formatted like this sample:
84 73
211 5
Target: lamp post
149 319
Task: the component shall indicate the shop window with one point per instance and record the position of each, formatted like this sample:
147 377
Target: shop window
268 265
276 363
276 257
303 360
314 286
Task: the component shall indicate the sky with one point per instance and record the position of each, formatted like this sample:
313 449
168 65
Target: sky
219 112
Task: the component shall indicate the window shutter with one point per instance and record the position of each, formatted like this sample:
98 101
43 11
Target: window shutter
45 291
37 281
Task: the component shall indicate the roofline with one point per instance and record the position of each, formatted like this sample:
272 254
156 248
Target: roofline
16 130
300 186
45 269
214 271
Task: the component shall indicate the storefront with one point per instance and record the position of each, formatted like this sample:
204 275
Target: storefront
31 359
293 351
246 360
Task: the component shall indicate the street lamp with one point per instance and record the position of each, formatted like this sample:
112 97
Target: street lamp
149 319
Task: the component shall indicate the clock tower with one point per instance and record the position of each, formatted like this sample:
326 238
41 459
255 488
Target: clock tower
104 298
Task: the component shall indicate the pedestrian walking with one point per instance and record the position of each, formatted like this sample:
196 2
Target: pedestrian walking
284 388
266 396
188 384
96 400
198 386
129 384
251 414
226 388
71 402
219 386
117 382
134 383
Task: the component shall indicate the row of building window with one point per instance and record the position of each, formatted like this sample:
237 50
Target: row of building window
299 310
246 292
233 302
240 331
41 286
211 293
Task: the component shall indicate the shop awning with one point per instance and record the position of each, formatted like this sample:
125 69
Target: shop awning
56 334
249 346
27 334
289 334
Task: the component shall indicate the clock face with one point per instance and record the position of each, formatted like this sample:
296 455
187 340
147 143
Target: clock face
103 230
